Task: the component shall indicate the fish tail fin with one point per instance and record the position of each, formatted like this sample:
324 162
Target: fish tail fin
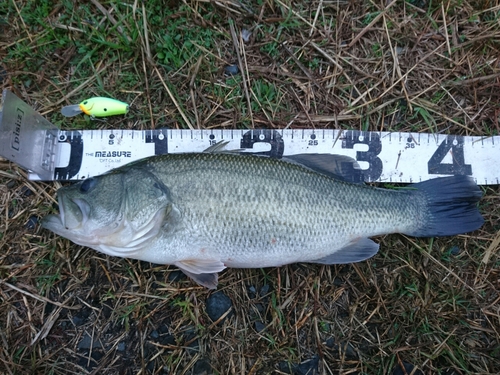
451 207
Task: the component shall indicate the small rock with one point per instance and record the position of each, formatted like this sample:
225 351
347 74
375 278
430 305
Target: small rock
106 310
84 362
259 326
261 308
338 281
217 305
121 346
285 367
408 368
264 290
86 342
191 341
81 317
162 335
31 224
231 70
202 367
349 350
252 291
167 340
455 250
26 191
97 355
245 35
163 328
422 4
308 367
49 307
154 334
330 342
150 367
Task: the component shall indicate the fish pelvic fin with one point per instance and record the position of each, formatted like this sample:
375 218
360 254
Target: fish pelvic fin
451 207
357 251
208 280
203 271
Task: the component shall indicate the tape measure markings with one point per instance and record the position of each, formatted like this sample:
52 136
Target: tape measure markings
383 156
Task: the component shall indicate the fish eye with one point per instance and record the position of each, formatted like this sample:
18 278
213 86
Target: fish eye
88 185
85 102
105 109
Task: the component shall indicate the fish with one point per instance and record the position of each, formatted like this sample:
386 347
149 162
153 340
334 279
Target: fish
205 212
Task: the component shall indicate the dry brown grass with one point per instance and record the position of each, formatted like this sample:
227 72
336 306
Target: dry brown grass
393 66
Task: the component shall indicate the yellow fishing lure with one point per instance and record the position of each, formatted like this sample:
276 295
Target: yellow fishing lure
96 107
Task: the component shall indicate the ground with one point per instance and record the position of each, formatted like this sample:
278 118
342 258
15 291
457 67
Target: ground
421 306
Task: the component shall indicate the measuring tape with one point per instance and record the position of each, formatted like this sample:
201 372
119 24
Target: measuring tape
383 156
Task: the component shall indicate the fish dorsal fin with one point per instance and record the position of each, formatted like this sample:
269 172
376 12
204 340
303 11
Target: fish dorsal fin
340 167
220 148
216 147
356 251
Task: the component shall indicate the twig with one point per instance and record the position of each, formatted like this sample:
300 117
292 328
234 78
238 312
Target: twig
243 70
458 278
39 298
147 90
369 26
445 27
188 123
491 249
146 38
389 89
397 68
111 19
191 89
22 21
79 88
472 80
318 9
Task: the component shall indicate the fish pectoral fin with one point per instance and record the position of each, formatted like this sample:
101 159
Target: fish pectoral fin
208 280
339 167
356 251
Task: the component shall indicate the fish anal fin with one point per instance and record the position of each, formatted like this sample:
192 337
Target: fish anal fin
356 251
340 167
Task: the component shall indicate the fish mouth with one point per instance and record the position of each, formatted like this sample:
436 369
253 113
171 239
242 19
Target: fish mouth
73 214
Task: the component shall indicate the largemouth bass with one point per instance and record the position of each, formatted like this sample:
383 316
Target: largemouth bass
204 212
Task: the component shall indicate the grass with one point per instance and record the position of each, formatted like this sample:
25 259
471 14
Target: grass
406 66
